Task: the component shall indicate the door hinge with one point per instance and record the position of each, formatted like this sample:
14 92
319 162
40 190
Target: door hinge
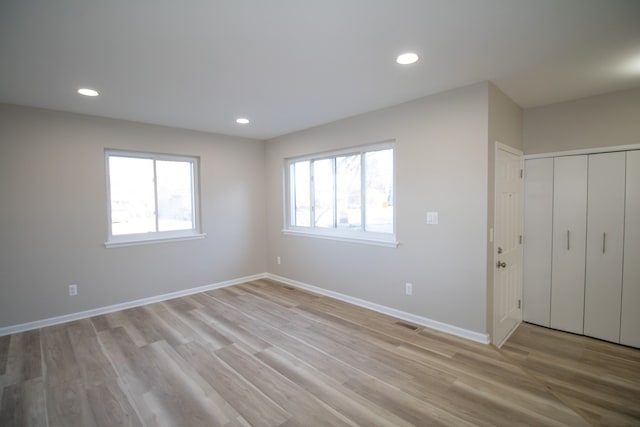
519 303
521 173
521 239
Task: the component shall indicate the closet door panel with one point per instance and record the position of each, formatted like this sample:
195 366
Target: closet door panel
538 216
630 323
569 240
605 228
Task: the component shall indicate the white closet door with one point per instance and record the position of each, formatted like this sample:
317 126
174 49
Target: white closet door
630 324
605 228
569 240
538 217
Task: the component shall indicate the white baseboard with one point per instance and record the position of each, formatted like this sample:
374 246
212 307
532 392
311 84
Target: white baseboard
122 306
409 317
418 320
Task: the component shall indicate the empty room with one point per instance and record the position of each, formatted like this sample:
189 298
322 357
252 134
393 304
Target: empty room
297 212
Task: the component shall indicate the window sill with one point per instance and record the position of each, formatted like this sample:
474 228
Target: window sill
154 240
391 243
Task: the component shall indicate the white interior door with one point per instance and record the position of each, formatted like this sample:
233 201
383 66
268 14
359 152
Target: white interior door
538 226
605 234
569 242
630 321
507 288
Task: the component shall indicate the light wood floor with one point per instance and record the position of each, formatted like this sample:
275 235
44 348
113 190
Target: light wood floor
266 354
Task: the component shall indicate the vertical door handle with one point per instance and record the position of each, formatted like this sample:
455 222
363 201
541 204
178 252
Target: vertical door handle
604 242
568 241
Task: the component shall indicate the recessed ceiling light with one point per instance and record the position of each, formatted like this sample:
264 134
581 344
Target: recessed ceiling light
407 58
88 92
242 120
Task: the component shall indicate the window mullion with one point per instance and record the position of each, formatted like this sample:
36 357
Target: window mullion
335 192
292 194
363 192
194 206
109 201
312 194
155 195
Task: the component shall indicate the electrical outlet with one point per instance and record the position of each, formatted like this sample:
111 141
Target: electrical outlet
408 288
73 290
278 260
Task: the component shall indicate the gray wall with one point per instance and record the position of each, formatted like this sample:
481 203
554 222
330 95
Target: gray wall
53 220
505 120
53 210
598 121
441 158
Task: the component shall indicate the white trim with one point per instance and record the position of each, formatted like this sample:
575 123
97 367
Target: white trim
584 151
155 236
508 149
482 338
155 239
358 149
363 239
413 318
122 306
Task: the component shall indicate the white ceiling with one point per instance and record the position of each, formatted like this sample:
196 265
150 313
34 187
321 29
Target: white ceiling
292 64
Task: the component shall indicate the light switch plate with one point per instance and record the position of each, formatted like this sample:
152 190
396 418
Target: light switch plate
432 218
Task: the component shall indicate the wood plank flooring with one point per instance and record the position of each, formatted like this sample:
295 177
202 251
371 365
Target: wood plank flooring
265 354
599 380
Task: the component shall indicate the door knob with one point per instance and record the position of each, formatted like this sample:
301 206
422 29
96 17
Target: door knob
501 264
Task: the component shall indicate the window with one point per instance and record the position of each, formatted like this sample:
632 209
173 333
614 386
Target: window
151 197
343 195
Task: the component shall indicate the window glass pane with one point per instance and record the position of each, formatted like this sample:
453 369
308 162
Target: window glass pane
175 195
132 195
379 191
302 194
348 191
323 192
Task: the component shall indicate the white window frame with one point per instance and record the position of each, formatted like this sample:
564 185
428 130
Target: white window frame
357 236
155 236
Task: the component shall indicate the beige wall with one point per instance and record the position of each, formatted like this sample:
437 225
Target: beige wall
441 158
53 220
505 119
598 121
505 126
